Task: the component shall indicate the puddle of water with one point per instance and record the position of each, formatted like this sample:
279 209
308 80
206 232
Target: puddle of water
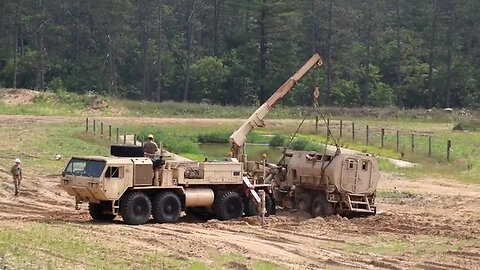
216 151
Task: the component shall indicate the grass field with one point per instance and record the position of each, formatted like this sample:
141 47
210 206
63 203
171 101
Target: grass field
66 245
464 161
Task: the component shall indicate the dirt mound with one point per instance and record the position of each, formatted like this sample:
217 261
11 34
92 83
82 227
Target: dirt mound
98 104
10 96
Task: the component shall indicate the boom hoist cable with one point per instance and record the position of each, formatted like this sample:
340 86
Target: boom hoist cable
318 110
316 106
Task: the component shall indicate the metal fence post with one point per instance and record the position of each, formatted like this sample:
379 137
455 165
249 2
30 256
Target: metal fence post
109 132
101 130
86 124
341 128
94 128
134 139
328 127
413 142
366 135
118 135
449 148
124 137
429 146
383 136
316 123
398 139
353 131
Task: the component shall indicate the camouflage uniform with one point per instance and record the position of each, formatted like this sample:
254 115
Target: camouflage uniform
17 177
150 147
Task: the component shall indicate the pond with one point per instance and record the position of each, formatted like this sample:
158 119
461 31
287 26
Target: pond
216 151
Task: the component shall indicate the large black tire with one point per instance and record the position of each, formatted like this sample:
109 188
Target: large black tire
126 150
136 208
96 211
321 207
303 203
271 204
251 207
228 205
166 207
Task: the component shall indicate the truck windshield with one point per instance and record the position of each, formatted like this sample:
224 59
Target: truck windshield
82 167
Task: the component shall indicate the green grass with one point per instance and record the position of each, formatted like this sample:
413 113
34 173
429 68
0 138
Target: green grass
394 195
42 142
393 245
264 265
61 245
184 140
37 145
66 103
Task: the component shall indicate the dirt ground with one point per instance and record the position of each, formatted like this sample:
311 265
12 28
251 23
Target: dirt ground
422 223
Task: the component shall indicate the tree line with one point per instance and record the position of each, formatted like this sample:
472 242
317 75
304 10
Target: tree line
408 53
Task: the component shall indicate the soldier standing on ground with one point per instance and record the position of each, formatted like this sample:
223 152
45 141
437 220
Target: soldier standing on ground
17 175
150 147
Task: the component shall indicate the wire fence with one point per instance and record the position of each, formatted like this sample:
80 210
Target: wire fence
404 142
110 133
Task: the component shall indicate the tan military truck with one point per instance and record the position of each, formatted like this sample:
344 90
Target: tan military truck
138 187
327 183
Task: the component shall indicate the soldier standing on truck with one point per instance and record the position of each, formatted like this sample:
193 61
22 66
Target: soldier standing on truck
17 175
150 147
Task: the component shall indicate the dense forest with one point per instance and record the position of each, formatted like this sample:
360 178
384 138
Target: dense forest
408 53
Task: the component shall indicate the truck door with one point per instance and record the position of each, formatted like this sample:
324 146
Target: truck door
349 175
364 176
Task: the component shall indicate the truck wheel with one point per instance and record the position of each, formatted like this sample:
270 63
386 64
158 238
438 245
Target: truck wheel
96 212
166 207
199 212
229 205
251 207
271 205
321 207
136 208
303 202
126 150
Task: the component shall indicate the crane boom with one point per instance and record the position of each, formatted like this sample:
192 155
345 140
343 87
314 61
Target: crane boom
239 137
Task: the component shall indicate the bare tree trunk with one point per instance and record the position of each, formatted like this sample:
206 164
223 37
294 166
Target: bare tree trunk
159 53
399 56
366 86
22 44
216 22
76 44
263 52
431 48
189 50
450 38
112 73
40 76
145 48
329 53
315 15
15 48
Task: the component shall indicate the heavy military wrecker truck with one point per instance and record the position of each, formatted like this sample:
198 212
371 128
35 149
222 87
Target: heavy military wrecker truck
321 184
137 187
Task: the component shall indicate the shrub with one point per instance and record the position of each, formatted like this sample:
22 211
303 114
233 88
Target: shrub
214 137
302 144
278 140
466 124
